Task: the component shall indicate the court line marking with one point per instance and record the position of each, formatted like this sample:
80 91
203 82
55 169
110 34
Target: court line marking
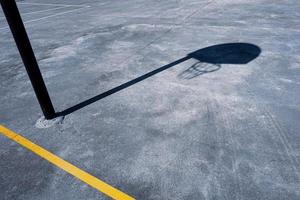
46 10
66 166
51 4
41 11
46 17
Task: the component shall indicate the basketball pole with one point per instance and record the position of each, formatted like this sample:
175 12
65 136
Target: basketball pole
17 28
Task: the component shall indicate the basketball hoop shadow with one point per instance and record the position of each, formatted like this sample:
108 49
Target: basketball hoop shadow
210 59
198 69
213 57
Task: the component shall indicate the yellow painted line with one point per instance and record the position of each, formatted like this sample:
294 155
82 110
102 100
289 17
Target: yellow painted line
68 167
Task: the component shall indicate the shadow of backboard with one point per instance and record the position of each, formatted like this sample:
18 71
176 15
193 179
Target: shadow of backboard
210 59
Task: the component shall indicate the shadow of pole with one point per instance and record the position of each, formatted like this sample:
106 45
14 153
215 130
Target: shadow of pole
212 56
120 87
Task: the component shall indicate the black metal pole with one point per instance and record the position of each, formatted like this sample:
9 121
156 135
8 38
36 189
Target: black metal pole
17 28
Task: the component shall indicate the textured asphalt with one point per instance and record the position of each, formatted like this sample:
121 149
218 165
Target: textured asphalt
187 100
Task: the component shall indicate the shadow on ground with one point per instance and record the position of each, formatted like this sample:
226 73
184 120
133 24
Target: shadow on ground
209 60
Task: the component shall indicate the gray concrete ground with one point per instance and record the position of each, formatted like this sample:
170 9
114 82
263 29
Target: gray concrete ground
194 130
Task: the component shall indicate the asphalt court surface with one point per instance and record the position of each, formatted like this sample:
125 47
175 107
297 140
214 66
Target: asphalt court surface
78 173
159 102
